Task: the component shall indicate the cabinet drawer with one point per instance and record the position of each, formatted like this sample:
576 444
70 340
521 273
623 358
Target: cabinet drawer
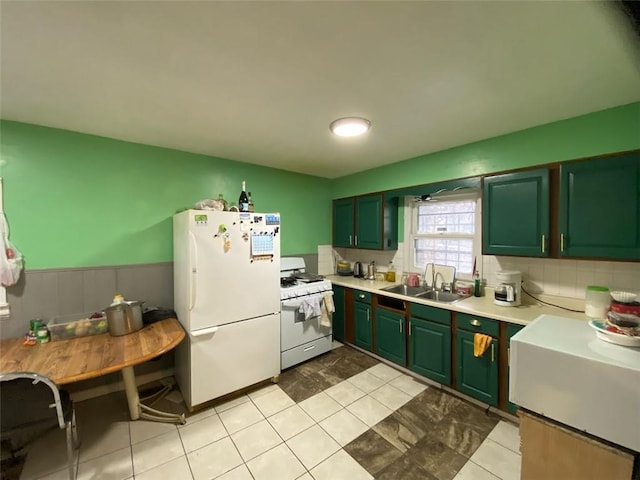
473 323
431 313
360 296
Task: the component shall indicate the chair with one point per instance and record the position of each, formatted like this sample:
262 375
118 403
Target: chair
27 400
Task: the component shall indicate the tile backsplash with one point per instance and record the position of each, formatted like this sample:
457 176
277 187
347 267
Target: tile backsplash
559 277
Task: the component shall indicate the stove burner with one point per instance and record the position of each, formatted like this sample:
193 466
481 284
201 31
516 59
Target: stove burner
288 281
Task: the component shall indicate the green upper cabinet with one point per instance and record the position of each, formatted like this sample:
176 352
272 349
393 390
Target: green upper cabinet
600 208
338 317
343 234
367 222
390 336
515 218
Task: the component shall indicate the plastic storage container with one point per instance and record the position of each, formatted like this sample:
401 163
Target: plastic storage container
78 325
597 302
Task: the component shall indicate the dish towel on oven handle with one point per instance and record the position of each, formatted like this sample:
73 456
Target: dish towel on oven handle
327 309
481 343
311 307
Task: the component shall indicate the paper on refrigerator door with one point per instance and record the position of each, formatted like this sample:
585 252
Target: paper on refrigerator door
262 246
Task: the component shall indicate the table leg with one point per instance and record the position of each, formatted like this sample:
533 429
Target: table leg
138 410
130 388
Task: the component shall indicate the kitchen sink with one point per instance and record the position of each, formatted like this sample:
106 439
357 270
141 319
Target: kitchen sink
435 295
405 290
421 292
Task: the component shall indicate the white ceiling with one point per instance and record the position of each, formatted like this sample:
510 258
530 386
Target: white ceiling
260 82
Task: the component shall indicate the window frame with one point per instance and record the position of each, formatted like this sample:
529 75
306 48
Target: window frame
410 226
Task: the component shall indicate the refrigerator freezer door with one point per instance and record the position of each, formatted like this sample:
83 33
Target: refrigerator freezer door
233 357
226 276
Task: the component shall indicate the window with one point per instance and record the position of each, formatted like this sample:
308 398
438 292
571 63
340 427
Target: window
444 231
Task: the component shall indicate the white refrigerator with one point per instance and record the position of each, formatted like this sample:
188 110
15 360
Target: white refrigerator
226 274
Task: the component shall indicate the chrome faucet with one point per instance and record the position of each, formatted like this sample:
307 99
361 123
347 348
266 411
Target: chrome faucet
435 276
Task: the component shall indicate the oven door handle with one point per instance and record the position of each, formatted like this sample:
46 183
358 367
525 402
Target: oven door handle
295 304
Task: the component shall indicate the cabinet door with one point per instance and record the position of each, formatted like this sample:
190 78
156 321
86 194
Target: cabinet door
339 313
511 331
363 328
390 336
430 350
600 208
515 217
343 222
476 376
369 221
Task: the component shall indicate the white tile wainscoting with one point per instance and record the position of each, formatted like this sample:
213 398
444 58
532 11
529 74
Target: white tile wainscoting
548 276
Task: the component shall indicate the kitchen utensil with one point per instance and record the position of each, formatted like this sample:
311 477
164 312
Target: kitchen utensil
612 337
124 318
623 297
633 308
625 320
597 301
357 270
371 271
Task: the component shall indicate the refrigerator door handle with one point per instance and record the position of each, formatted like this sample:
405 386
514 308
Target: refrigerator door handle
193 275
204 331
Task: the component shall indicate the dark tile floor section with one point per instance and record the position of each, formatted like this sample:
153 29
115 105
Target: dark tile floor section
430 437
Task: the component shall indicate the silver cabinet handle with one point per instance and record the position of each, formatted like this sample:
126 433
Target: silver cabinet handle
350 240
475 322
543 242
400 326
493 352
409 327
356 241
361 295
368 315
562 242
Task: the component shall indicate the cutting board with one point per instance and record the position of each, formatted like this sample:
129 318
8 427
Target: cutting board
444 273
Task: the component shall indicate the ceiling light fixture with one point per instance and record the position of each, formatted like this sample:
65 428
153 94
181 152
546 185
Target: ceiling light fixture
350 126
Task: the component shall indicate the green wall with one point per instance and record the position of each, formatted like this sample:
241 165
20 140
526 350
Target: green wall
612 130
75 200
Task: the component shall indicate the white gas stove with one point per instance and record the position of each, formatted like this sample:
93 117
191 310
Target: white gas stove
301 334
294 282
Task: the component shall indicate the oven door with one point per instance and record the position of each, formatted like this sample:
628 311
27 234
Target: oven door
295 328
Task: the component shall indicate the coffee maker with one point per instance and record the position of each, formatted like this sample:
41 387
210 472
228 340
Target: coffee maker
508 290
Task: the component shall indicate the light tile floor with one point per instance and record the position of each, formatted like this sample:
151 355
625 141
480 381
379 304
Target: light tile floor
263 435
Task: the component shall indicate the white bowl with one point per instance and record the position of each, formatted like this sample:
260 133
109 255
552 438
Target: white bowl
624 297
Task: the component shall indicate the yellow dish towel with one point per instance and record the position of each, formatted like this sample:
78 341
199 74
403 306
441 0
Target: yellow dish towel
327 309
481 343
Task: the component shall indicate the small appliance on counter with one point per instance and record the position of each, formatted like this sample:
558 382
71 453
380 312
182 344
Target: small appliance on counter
358 272
508 290
343 268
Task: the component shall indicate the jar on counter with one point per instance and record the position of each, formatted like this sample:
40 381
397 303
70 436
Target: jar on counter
597 302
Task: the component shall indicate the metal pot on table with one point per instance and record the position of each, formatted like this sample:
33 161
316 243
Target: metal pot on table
124 318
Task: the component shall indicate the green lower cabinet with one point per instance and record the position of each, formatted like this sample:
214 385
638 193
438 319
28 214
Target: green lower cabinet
337 319
363 328
476 376
430 350
511 331
390 336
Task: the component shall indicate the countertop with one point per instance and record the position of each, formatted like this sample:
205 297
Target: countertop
481 306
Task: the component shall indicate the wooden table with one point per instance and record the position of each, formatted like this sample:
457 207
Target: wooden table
81 358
